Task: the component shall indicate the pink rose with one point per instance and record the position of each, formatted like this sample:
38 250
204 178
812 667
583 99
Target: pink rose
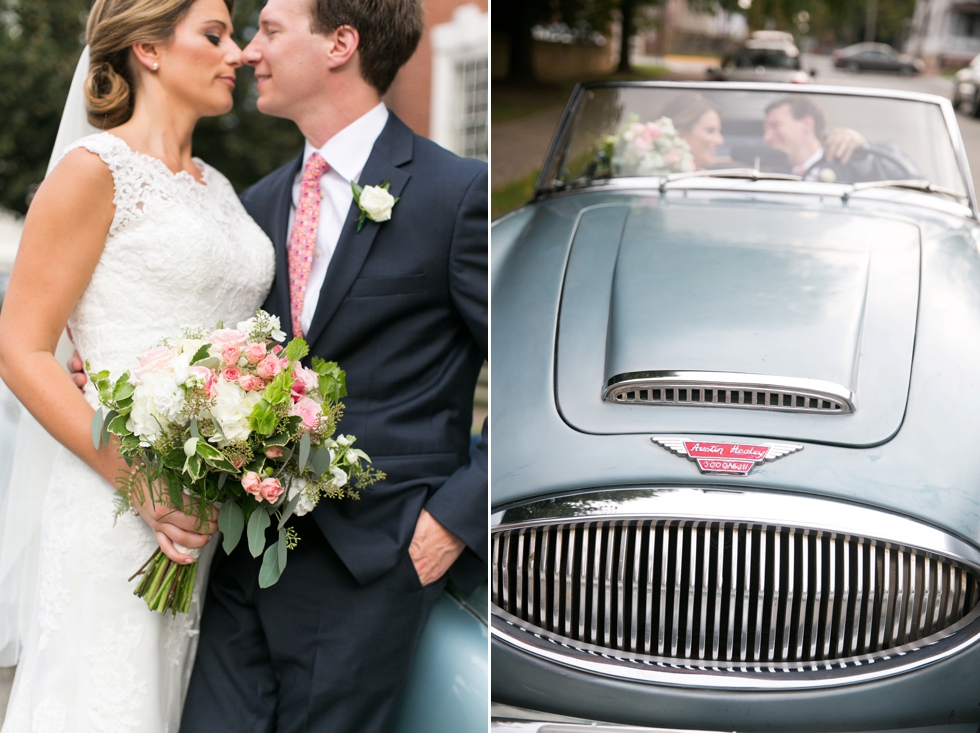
652 131
238 462
271 489
642 146
308 377
230 354
153 360
252 485
269 367
309 410
273 451
672 157
298 391
254 352
208 376
251 383
228 337
231 373
276 349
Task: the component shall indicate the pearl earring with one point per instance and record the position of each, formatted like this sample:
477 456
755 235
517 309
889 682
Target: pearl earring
155 66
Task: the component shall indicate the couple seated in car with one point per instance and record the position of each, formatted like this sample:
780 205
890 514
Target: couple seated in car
795 126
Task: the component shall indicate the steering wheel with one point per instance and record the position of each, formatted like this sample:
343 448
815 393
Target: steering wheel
864 153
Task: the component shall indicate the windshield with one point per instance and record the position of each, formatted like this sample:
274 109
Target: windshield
634 131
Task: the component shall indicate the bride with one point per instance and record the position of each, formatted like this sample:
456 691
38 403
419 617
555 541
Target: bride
128 240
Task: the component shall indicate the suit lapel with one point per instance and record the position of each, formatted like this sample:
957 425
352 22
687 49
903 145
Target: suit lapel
279 230
393 148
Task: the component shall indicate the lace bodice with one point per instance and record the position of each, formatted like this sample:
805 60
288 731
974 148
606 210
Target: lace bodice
179 253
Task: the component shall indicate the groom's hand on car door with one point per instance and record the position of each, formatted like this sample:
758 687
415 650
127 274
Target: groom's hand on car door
434 548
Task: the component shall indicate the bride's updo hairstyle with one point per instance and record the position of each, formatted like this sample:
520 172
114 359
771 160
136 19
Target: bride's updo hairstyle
114 27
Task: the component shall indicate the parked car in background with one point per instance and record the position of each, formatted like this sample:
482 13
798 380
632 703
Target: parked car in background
966 88
735 483
876 57
761 64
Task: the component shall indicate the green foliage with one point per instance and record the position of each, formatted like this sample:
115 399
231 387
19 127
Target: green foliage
257 525
333 379
231 522
263 418
296 350
40 42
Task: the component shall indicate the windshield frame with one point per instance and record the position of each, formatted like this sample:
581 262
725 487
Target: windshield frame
569 119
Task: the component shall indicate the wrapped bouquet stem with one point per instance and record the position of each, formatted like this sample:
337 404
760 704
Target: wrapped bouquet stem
233 420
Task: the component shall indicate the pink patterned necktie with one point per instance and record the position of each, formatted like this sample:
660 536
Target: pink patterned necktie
302 241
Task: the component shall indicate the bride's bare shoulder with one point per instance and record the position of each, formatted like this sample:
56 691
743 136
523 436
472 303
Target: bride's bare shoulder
80 181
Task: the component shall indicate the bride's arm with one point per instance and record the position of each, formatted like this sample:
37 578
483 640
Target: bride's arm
63 237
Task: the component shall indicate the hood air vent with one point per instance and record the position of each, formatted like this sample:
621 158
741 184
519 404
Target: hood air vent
719 389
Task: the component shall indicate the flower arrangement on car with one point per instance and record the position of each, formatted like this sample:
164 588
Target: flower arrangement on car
233 420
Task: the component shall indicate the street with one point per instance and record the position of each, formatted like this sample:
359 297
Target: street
924 83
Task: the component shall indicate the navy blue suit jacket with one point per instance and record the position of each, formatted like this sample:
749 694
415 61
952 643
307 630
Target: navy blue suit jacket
403 309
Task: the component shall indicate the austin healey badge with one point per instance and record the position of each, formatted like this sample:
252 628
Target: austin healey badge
737 459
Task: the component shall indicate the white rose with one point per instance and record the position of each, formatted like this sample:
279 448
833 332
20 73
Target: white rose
231 409
305 504
377 202
145 421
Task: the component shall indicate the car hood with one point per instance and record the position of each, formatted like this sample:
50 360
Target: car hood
773 291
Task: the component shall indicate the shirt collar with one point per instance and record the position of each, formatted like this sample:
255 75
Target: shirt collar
347 152
812 160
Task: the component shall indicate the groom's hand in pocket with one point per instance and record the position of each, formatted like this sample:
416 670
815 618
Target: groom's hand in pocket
434 548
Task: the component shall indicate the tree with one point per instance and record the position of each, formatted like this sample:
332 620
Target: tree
40 42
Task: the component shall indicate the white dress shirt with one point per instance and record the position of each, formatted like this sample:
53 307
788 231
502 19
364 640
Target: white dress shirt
800 169
346 153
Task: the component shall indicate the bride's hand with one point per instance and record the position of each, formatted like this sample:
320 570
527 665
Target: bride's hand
172 525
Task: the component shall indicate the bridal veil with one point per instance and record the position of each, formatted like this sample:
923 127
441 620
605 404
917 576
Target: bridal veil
26 449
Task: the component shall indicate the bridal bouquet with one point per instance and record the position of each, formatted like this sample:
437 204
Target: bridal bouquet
647 149
234 420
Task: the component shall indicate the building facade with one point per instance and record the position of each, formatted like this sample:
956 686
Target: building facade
442 92
945 33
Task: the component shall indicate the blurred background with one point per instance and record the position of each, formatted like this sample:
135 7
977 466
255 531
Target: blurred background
441 93
541 48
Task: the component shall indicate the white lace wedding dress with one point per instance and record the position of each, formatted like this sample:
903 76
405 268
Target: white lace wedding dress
179 253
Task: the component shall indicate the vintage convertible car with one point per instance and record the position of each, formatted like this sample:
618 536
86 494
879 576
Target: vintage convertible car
735 481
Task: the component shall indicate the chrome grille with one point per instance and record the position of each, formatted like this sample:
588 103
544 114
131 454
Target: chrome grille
726 592
746 391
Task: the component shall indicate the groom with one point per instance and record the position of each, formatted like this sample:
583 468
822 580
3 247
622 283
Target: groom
402 306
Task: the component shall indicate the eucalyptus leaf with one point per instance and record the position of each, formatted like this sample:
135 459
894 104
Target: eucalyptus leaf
320 461
287 512
270 571
97 429
222 477
281 546
194 431
304 451
231 522
105 426
257 524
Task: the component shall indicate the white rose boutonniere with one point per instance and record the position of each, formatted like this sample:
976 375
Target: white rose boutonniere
374 202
